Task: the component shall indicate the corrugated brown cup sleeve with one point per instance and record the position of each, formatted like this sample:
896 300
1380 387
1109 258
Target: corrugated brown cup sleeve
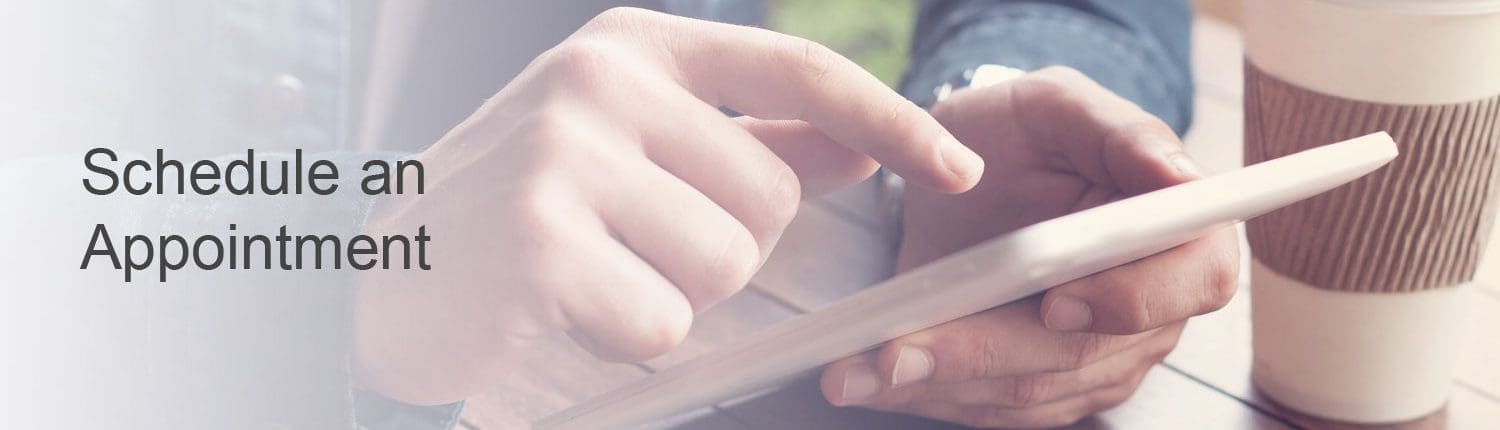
1415 224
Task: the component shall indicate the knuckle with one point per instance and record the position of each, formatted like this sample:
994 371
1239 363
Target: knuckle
616 16
986 358
814 61
663 333
1223 278
1117 394
783 197
1151 359
1137 316
532 210
1135 380
901 112
551 137
731 270
582 62
1113 399
1085 349
1026 391
549 127
1127 376
1134 374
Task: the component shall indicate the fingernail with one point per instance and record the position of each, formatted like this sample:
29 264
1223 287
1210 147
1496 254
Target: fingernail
860 383
1179 160
912 364
1068 314
962 161
1185 165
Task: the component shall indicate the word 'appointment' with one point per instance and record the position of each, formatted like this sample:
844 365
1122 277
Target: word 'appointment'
279 175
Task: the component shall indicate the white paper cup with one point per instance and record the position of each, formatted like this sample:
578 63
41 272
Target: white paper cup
1384 51
1367 358
1346 348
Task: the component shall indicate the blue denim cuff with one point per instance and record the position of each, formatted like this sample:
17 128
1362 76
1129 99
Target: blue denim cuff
1033 35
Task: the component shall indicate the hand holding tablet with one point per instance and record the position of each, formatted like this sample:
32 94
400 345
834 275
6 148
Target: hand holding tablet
992 273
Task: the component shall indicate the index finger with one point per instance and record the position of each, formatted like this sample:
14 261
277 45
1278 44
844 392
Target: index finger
769 75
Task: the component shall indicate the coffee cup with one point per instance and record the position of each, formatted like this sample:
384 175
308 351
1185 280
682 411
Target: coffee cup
1355 294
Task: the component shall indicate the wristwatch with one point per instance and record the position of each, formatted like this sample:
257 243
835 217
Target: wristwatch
978 77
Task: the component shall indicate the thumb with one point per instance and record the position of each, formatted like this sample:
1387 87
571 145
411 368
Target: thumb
1143 161
1102 136
821 164
1005 341
1192 279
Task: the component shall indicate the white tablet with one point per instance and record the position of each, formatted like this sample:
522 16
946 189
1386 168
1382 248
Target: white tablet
995 272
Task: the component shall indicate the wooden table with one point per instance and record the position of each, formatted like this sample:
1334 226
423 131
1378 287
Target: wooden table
840 244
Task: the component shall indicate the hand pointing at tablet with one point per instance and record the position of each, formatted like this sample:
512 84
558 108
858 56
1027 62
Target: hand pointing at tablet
602 193
1055 142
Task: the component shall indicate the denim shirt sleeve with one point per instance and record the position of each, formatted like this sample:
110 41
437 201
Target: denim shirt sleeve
1136 48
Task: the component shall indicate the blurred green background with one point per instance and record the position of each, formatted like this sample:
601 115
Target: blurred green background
874 33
